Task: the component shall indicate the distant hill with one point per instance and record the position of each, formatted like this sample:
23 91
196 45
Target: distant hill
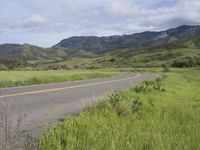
140 49
10 50
38 54
182 53
147 39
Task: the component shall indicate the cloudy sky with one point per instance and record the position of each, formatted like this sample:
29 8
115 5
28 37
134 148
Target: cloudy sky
46 22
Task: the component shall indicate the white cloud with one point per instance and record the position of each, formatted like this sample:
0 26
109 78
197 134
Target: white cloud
94 17
123 8
184 12
35 21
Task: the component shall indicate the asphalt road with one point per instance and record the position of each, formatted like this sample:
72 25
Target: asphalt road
45 104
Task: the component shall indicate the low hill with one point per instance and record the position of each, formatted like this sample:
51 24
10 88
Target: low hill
34 53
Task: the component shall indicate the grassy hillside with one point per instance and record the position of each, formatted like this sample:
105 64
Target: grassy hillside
156 115
184 53
35 54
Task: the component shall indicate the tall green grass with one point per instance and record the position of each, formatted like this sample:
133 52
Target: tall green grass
156 115
23 78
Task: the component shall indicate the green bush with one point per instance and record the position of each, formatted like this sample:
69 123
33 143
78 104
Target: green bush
114 99
183 62
136 105
146 86
166 68
10 64
123 106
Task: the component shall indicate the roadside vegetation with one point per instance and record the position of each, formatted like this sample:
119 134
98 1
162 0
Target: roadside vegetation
23 78
156 115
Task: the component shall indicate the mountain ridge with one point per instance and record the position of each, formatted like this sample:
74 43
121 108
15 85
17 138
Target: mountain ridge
93 46
137 40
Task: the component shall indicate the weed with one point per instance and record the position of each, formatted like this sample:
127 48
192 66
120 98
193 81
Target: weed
114 99
146 86
136 105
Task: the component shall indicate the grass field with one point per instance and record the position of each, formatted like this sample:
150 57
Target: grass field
156 115
22 78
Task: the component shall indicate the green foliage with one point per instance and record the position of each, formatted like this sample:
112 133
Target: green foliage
166 67
130 120
182 62
122 106
10 64
136 105
147 86
196 40
115 98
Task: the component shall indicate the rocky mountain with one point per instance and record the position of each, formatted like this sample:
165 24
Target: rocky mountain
148 39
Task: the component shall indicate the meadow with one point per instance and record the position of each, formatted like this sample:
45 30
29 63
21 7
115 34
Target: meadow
156 115
23 78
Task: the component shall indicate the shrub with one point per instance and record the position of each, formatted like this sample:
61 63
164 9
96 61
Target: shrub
13 63
136 105
92 67
124 106
166 68
115 98
186 62
146 86
7 83
112 60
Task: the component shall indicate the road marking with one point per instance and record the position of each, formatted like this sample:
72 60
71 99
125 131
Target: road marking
68 87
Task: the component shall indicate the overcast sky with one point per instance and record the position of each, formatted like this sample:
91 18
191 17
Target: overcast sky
46 22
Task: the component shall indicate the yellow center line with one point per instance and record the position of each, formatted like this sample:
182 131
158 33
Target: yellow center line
65 88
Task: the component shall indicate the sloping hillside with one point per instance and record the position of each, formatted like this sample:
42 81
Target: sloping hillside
145 49
33 53
177 54
101 45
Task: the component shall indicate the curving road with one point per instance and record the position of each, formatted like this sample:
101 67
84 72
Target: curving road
48 103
